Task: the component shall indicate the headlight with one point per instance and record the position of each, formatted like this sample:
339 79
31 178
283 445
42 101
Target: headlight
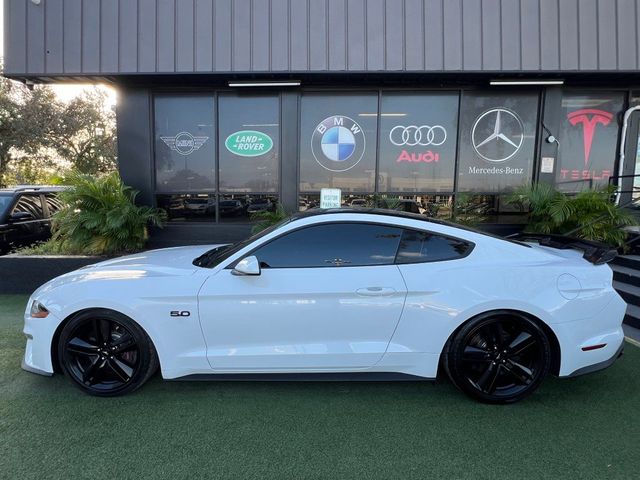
38 310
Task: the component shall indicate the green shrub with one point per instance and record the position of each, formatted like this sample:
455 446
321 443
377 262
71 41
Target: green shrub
590 214
100 217
268 218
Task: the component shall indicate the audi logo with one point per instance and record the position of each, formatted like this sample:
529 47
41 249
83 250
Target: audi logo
413 135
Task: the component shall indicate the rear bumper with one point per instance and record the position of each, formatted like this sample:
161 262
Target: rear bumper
601 365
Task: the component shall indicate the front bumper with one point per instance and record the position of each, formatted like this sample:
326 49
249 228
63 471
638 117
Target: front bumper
37 352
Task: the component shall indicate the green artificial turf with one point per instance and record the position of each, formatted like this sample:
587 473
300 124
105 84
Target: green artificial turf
580 428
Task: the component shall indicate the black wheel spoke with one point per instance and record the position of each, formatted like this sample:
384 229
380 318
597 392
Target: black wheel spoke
123 344
122 370
521 343
102 329
81 347
91 371
520 372
475 354
487 381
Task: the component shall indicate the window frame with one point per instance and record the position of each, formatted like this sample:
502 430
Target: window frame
251 252
471 244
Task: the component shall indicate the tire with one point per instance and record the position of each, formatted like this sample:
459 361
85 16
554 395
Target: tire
105 353
500 357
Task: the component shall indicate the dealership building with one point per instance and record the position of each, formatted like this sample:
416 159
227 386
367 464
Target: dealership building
228 107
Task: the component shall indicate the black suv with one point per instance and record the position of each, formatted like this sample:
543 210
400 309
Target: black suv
25 215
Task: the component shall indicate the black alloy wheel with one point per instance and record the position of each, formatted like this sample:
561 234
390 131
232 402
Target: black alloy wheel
498 358
106 353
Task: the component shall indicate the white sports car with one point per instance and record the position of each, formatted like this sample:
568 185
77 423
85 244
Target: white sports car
336 294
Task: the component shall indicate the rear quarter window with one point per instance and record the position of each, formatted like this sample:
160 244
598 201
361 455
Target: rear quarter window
420 247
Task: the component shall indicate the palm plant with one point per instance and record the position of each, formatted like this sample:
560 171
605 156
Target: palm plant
100 216
267 218
590 214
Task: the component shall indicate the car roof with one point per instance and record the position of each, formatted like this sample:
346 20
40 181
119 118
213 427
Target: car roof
398 214
33 188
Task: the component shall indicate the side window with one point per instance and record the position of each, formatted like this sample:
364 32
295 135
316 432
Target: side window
332 245
418 247
29 204
53 204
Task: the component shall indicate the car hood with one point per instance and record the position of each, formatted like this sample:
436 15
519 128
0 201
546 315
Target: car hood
176 261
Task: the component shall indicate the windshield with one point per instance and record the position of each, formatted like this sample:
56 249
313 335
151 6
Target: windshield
216 255
5 201
260 201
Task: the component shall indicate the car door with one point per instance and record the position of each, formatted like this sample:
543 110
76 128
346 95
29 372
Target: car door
328 297
26 231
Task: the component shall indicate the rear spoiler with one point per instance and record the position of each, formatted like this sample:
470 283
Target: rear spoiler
594 252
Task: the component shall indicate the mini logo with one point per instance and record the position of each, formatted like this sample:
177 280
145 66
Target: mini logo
249 143
414 135
589 118
184 143
338 143
497 134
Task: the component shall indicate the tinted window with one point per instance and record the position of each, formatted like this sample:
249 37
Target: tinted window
417 247
332 245
589 139
249 143
30 204
53 204
497 141
5 201
338 142
417 142
184 144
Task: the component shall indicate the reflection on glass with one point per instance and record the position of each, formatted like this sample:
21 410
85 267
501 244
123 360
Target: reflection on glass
476 209
588 139
249 133
188 207
184 143
434 206
418 148
338 142
243 208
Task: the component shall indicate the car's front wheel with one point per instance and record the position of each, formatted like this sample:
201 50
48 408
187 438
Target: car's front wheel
500 357
105 353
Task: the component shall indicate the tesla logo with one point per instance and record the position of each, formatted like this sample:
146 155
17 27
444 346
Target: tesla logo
589 118
180 313
497 134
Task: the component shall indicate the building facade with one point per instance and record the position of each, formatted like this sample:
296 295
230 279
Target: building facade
227 107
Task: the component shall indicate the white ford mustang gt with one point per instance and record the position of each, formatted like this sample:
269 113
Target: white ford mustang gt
336 294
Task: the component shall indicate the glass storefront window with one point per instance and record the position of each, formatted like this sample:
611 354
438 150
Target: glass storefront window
338 141
241 208
184 143
249 137
588 139
418 135
188 207
497 141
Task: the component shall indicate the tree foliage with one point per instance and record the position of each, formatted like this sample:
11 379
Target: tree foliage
40 135
590 214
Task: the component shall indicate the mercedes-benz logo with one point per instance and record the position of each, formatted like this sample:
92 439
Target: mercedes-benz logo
497 134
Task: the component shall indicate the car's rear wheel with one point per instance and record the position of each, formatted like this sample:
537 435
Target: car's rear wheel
500 357
106 353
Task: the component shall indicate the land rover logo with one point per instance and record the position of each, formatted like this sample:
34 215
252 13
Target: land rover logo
497 134
338 143
184 143
248 143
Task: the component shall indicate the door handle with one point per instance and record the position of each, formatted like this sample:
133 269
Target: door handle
376 291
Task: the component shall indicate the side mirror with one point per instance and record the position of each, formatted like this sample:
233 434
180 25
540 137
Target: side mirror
247 266
20 217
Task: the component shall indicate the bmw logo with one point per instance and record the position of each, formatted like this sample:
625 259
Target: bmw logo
338 143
